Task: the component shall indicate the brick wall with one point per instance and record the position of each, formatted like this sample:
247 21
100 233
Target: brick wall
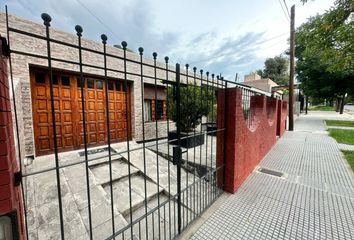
242 147
10 195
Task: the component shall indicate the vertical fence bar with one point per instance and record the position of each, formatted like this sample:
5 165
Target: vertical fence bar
187 155
168 148
153 225
104 42
178 126
47 19
201 146
16 121
212 117
79 34
141 51
216 172
164 221
206 145
157 145
195 202
124 45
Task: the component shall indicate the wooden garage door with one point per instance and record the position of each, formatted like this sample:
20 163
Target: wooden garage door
68 112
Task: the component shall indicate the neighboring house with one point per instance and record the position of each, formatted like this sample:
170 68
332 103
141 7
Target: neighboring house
254 80
31 81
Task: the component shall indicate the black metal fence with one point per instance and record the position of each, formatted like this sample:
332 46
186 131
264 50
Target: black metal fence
182 182
247 104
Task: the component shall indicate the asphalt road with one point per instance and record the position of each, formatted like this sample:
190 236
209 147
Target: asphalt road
349 107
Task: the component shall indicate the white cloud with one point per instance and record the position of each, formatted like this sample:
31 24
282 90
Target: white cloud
221 36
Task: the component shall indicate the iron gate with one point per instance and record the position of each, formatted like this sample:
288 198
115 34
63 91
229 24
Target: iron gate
153 186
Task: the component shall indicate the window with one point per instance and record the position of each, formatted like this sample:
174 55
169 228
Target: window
40 77
119 86
79 83
99 84
147 110
90 83
55 80
65 81
110 85
159 110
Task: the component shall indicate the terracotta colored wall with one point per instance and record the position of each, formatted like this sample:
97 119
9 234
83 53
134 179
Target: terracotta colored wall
282 114
243 147
10 195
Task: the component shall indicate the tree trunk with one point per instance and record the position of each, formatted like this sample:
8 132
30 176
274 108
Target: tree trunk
338 101
342 105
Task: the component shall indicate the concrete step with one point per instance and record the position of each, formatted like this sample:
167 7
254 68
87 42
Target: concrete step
121 194
95 160
119 170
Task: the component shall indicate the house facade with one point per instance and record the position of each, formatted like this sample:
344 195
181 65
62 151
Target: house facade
32 91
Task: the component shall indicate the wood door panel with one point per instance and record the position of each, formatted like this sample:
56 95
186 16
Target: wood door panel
68 112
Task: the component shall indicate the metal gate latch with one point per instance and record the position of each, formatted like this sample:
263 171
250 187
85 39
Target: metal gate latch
177 155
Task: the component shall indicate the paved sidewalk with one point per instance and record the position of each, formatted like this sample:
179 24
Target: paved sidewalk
314 200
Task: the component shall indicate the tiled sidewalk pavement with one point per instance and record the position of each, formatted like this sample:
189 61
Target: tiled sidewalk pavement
314 200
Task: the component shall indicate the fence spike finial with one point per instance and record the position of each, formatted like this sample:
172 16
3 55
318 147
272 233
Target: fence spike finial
212 75
201 71
207 73
166 59
46 18
124 45
141 50
154 54
104 38
194 69
79 30
187 65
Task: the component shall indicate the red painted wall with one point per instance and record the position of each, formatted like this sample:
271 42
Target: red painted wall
10 195
282 114
242 147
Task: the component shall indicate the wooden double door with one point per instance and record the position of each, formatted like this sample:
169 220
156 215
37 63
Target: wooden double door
69 114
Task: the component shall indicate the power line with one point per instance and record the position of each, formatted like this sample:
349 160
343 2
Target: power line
286 15
97 18
287 9
222 55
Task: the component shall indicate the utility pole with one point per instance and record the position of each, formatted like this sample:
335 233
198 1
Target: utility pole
292 69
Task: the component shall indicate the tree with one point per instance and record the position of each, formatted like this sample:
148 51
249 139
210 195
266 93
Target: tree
196 102
325 52
276 69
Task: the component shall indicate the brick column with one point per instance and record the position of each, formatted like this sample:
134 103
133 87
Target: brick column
10 191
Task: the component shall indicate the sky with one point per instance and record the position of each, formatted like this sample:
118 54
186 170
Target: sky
220 36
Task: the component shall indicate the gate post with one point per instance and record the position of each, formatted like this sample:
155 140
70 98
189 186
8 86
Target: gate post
11 206
178 156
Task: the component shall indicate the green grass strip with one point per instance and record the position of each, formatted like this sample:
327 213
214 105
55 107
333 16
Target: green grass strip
349 155
340 123
321 108
342 136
